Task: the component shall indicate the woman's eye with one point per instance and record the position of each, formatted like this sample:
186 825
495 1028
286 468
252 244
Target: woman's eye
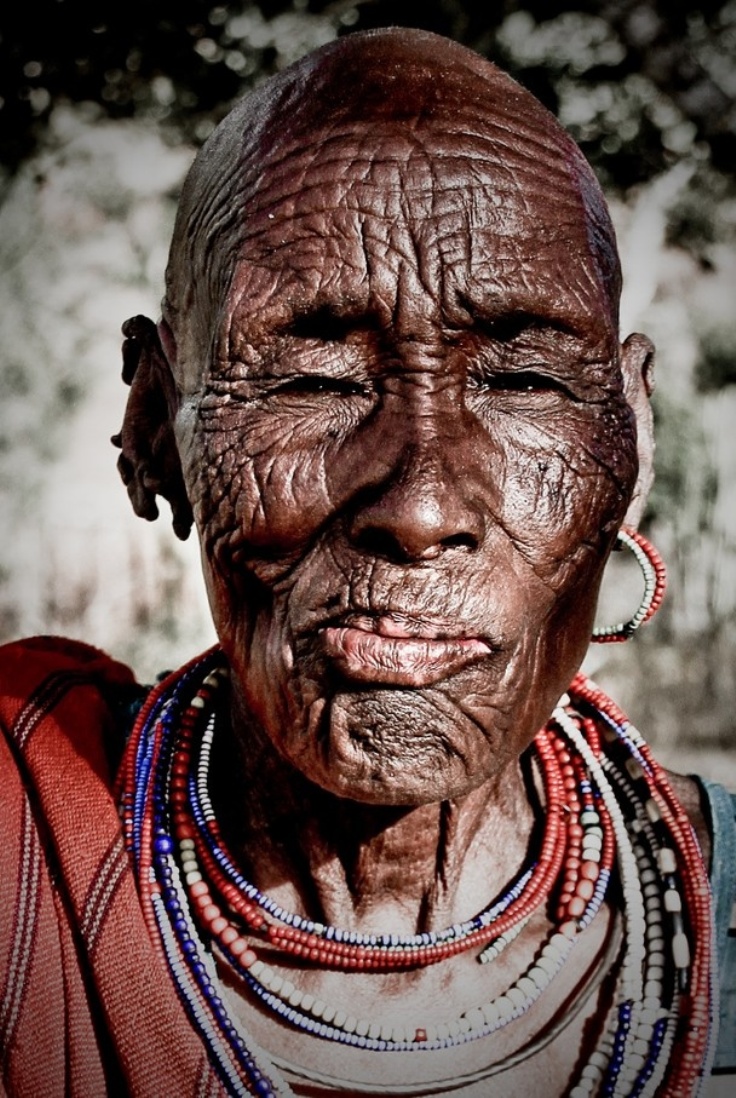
522 381
313 383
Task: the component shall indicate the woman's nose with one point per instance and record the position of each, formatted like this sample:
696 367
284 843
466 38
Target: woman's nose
422 510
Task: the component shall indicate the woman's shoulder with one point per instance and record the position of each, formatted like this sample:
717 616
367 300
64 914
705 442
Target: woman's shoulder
55 688
28 662
711 809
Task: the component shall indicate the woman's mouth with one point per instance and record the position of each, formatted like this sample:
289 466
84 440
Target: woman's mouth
393 652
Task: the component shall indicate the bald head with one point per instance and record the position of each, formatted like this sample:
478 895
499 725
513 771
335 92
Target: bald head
373 110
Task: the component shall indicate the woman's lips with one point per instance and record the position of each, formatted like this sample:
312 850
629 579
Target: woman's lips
384 651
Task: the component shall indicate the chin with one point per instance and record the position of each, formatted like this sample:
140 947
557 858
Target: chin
396 748
390 790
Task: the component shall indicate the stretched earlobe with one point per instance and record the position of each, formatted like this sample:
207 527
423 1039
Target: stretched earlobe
639 351
637 366
149 463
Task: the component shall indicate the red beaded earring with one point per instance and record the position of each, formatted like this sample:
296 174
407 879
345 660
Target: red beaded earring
655 581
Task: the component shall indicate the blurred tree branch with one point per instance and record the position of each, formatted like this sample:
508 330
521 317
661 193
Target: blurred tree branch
660 77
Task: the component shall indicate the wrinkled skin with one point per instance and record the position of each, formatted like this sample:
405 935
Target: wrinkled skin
390 369
414 422
406 434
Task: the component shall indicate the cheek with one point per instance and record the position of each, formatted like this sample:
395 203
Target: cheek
565 480
254 489
255 634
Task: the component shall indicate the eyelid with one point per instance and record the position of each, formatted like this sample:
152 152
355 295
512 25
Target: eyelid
320 383
507 327
521 381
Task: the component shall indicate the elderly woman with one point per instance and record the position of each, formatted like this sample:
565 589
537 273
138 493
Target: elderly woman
385 838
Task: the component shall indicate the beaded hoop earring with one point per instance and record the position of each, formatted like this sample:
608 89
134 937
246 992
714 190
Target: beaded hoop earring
655 581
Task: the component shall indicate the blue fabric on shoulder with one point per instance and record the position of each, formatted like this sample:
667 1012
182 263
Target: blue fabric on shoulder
722 807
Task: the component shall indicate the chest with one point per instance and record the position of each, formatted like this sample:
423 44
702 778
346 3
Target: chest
542 1048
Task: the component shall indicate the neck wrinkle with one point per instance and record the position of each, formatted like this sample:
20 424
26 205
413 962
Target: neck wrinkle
369 868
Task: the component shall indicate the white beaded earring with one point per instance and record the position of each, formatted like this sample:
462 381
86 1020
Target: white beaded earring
655 581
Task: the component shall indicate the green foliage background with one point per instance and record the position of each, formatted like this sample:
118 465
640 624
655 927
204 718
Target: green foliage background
638 82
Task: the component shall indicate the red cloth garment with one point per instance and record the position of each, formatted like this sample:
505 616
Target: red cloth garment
87 1007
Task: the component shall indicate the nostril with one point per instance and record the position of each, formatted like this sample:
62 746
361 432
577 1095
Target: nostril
383 543
380 543
459 541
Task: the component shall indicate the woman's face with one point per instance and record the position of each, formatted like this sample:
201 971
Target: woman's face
408 458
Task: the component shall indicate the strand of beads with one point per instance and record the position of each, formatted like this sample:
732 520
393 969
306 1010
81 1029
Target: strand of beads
643 1041
641 992
587 862
632 761
151 791
314 1016
655 582
497 946
693 954
338 948
693 1049
633 908
189 964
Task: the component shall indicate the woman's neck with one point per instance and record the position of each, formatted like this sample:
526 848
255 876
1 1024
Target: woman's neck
368 867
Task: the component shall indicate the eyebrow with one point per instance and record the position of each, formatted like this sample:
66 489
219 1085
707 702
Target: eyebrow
505 324
325 322
332 322
323 319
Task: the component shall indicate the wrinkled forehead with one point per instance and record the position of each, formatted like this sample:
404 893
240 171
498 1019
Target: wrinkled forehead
359 213
375 156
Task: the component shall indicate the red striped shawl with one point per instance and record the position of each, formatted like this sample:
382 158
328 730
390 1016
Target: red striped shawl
86 1005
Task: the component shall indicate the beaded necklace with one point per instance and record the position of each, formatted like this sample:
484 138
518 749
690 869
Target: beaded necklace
608 806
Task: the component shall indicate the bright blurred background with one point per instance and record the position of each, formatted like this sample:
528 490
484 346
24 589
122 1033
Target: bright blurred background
102 107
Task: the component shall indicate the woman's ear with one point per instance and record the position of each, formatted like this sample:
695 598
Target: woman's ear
149 464
637 368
